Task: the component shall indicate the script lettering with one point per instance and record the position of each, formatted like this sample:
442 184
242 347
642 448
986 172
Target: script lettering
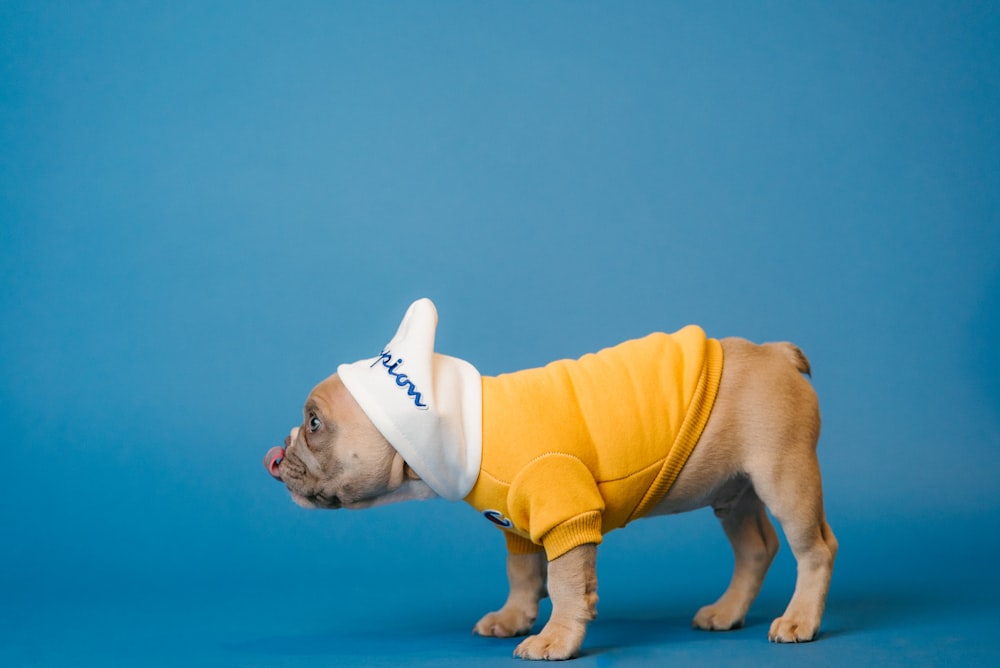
402 380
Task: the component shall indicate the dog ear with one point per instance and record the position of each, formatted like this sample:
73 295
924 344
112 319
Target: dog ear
400 472
397 472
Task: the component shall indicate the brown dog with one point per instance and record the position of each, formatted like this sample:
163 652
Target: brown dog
756 450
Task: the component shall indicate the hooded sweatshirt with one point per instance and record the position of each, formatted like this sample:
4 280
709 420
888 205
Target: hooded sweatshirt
556 456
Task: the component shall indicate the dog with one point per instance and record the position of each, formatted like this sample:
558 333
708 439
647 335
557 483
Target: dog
557 456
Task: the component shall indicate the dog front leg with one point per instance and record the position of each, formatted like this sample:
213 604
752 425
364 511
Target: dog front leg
573 588
526 575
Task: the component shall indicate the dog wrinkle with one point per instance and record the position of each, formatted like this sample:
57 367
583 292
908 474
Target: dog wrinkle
292 467
305 456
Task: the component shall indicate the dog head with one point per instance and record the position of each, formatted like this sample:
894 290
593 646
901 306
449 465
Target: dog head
337 458
365 427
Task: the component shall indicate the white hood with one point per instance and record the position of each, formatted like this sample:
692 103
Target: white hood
427 405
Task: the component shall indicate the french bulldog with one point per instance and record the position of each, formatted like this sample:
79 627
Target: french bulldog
557 456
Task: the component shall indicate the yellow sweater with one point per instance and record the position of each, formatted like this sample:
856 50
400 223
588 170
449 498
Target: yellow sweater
577 448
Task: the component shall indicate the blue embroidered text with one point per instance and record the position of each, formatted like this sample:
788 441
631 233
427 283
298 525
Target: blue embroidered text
401 378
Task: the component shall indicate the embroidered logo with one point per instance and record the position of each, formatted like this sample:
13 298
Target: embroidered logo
385 358
497 518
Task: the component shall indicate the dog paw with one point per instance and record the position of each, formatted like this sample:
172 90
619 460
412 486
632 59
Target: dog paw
791 629
552 644
507 622
718 617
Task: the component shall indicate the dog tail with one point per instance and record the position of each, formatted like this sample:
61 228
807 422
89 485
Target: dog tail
795 355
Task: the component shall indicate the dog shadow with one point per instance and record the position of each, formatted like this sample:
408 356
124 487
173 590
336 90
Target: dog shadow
396 634
855 614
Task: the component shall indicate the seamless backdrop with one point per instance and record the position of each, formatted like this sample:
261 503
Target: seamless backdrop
205 207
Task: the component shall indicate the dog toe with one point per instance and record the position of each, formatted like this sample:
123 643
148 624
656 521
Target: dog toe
717 618
504 623
791 630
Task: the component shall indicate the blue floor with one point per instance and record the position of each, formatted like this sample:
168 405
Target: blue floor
893 603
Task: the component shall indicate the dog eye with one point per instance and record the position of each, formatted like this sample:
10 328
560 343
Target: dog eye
314 424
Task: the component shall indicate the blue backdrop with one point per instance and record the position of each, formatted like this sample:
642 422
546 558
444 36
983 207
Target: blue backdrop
205 207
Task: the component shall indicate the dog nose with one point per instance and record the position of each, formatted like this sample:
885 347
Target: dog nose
272 460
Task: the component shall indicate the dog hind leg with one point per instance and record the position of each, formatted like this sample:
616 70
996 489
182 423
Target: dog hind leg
754 544
797 503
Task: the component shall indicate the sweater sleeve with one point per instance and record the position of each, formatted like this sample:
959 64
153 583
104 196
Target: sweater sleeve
556 499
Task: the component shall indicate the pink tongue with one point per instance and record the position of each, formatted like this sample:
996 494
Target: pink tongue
272 459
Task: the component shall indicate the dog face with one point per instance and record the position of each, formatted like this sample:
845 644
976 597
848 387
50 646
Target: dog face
336 458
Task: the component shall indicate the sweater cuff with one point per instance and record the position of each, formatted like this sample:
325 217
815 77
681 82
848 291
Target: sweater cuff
519 544
582 529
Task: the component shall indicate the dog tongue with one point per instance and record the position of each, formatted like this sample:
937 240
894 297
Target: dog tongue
272 459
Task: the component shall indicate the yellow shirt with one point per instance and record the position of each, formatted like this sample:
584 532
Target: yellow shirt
577 448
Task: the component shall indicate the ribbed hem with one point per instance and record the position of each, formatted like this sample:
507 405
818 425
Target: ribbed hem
580 530
694 423
519 544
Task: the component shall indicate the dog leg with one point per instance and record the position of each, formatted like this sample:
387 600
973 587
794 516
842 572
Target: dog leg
797 503
754 544
815 548
573 588
526 575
